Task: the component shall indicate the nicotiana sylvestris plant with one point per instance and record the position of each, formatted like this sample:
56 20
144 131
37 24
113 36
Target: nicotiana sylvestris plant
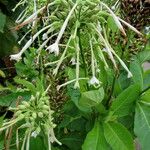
65 23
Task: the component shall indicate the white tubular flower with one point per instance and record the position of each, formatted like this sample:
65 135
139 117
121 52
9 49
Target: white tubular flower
16 57
28 44
53 138
54 48
130 75
115 18
94 81
44 37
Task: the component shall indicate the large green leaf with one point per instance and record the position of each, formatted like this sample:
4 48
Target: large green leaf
2 21
122 105
137 72
142 125
118 137
91 98
95 139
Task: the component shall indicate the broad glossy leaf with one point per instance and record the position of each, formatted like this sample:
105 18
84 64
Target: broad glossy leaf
142 125
122 105
91 98
2 21
118 136
95 139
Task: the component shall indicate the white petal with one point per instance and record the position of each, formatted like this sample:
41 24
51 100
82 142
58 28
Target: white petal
130 75
34 134
16 57
94 81
44 37
53 49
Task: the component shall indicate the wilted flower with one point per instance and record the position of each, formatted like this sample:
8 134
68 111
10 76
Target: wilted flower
94 81
16 57
53 48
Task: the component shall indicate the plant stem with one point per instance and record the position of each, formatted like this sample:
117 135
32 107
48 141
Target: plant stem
112 90
145 90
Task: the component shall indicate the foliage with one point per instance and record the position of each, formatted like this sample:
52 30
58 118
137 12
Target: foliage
89 92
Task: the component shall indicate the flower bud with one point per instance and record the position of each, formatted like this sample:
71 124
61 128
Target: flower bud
45 112
40 114
22 107
34 115
18 113
26 104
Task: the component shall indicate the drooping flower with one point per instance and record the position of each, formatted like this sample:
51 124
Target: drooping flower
94 81
54 48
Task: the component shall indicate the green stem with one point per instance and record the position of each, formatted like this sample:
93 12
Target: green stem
145 90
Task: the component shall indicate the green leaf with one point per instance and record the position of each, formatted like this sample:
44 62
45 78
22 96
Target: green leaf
143 56
37 143
73 141
2 21
142 125
118 136
91 98
122 105
137 72
145 98
12 98
111 24
146 80
27 84
95 139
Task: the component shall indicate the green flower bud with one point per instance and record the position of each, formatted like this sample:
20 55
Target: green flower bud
31 119
45 112
21 107
18 113
26 104
32 98
40 114
46 107
21 116
34 115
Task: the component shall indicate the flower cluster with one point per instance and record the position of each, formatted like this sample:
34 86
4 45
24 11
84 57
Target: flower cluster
35 115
